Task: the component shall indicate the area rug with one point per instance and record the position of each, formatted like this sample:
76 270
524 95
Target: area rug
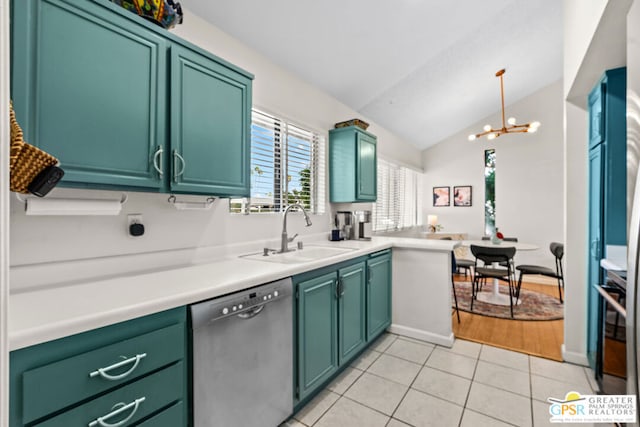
533 305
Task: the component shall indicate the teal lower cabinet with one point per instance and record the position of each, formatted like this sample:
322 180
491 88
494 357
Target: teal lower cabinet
352 336
317 332
124 374
378 293
339 311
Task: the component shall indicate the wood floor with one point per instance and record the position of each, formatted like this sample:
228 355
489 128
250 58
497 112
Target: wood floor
539 338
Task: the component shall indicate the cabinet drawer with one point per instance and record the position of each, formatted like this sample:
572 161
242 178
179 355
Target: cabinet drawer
55 386
170 417
127 404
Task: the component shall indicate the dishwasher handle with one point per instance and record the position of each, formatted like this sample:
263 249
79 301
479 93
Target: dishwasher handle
251 313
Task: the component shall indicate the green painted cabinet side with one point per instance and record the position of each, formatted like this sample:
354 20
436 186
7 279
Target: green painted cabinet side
144 397
352 335
210 126
31 358
90 88
352 165
615 157
378 294
317 332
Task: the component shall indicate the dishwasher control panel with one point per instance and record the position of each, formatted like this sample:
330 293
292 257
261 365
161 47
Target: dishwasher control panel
246 301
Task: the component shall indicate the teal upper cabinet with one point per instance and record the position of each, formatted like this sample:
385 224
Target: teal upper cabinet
124 104
90 90
210 117
352 165
378 293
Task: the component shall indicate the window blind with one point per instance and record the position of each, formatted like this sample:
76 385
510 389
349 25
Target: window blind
399 200
287 166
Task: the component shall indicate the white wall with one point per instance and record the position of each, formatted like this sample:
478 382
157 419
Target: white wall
49 239
529 176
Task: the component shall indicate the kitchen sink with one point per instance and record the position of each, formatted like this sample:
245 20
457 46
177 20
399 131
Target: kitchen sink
308 254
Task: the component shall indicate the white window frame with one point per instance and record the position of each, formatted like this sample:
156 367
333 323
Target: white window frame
399 201
278 150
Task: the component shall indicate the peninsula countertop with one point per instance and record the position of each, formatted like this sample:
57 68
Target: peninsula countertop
40 315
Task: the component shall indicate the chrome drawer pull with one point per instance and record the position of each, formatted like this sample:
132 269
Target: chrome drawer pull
121 407
177 174
103 371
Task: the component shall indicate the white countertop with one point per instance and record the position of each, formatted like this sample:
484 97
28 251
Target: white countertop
42 315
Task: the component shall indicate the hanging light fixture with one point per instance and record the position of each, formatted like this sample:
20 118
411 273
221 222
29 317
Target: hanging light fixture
492 133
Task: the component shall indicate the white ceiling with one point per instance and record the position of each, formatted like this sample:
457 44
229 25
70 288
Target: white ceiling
423 69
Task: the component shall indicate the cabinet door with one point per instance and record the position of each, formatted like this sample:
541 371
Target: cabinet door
366 168
378 294
351 311
594 278
89 88
210 119
317 332
596 115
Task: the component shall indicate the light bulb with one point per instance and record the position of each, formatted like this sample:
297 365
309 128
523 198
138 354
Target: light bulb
535 125
511 120
532 129
491 136
487 128
472 137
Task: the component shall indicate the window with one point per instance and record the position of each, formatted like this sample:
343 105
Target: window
399 197
287 166
489 191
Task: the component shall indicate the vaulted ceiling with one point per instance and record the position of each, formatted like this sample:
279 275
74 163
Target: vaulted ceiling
423 69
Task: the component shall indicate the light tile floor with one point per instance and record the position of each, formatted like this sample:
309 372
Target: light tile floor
400 382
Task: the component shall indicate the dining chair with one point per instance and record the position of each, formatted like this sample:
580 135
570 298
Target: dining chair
454 269
557 249
489 256
461 263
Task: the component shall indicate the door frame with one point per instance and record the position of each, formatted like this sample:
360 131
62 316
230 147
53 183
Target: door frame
4 211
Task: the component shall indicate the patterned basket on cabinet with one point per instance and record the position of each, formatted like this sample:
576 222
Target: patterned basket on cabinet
25 160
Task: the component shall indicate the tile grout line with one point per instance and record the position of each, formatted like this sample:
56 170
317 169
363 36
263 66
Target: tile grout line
531 391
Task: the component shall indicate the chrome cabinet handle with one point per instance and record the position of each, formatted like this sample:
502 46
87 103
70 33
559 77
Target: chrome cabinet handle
156 165
176 174
103 372
252 313
338 289
121 407
341 288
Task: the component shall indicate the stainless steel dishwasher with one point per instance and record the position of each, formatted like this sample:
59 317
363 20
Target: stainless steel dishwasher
243 358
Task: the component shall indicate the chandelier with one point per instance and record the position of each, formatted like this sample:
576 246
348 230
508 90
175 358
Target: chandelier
492 133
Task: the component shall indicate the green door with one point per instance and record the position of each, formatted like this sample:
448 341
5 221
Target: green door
595 247
89 87
210 119
366 168
317 332
351 311
378 294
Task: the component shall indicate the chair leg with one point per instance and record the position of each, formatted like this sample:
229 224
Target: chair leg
455 298
560 288
473 290
511 292
519 286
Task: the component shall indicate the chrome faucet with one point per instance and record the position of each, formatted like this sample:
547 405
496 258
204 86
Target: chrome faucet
284 244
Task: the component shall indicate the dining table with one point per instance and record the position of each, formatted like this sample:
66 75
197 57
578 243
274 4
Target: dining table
494 296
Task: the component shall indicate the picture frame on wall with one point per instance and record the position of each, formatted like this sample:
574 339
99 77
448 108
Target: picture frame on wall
441 196
462 195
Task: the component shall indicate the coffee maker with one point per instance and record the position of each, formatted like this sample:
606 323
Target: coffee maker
354 225
362 225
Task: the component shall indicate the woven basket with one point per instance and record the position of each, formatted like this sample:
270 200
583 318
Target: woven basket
25 161
353 122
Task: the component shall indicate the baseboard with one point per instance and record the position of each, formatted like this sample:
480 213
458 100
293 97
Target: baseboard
575 358
443 340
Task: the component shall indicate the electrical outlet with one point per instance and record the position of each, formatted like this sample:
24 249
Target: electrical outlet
134 219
